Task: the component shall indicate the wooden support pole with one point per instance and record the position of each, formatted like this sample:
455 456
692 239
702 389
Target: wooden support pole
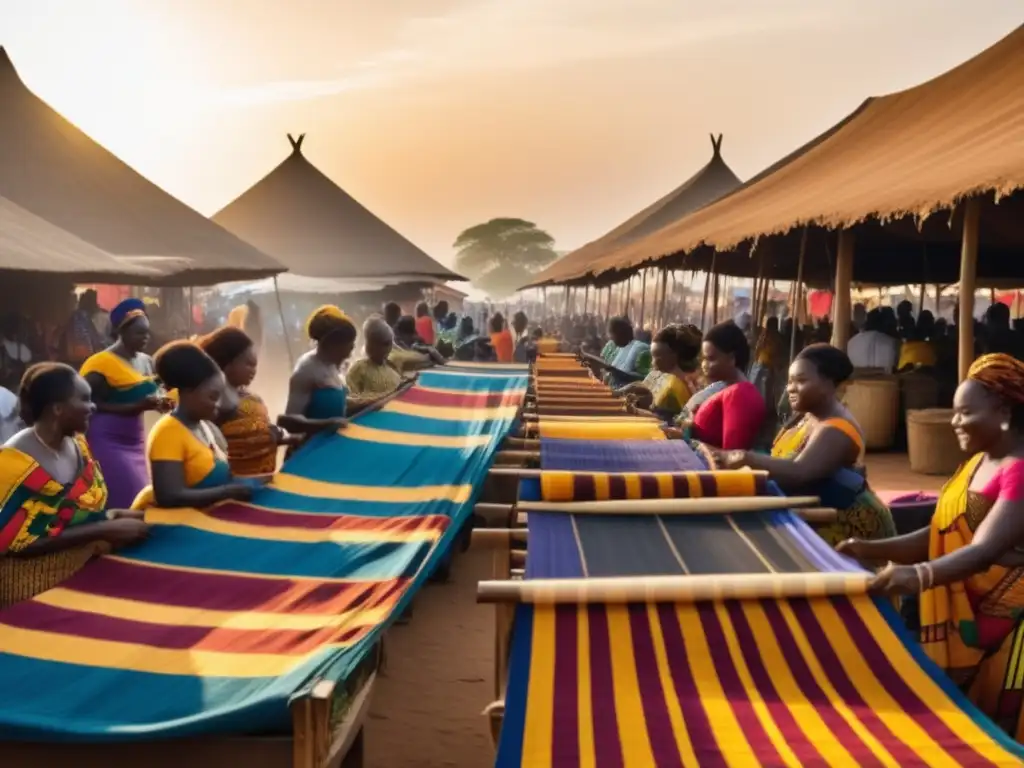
797 290
968 284
841 300
643 296
586 297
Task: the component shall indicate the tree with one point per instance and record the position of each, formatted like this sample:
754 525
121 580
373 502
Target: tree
502 254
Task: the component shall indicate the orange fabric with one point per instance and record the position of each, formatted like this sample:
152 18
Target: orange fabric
504 346
425 329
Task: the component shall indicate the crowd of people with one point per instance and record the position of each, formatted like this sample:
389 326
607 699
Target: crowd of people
77 478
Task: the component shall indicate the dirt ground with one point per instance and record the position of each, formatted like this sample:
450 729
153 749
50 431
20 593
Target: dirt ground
426 709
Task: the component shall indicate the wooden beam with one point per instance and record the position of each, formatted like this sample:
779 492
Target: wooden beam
968 284
841 300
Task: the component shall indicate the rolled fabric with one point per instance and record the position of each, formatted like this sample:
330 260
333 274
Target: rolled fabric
674 589
606 486
635 429
715 505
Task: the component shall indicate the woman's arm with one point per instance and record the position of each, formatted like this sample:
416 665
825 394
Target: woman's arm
117 532
101 396
300 392
828 451
171 492
906 549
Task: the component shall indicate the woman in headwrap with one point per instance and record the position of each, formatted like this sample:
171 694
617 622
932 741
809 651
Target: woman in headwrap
124 386
675 378
317 395
968 565
252 438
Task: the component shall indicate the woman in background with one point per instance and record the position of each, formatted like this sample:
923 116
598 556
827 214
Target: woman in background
675 379
124 387
317 395
501 339
821 451
729 412
252 438
188 466
425 324
53 498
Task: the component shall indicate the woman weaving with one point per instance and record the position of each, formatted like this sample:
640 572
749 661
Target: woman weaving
252 438
625 359
187 462
123 388
674 380
53 498
821 451
727 413
969 564
317 395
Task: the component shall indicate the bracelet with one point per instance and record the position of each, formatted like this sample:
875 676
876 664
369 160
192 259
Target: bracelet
930 572
925 576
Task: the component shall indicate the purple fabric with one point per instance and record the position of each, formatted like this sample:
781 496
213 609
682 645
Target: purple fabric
118 444
619 455
553 550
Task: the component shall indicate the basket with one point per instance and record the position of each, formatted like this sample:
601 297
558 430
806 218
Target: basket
22 578
920 390
874 403
932 446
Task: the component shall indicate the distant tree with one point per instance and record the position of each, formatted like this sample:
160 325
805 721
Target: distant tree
502 254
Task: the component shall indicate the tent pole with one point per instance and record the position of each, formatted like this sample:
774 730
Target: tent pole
714 309
707 291
629 288
643 297
586 297
662 314
608 305
284 325
841 301
797 290
968 281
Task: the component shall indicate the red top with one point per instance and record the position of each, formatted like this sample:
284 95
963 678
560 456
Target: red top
425 329
730 419
1008 482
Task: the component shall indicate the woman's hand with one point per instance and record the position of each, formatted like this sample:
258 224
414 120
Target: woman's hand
896 581
333 425
150 403
729 459
860 550
166 404
121 514
672 433
122 531
238 491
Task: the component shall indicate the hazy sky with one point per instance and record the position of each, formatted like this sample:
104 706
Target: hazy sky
438 114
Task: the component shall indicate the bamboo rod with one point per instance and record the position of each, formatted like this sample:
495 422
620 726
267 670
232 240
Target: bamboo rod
841 301
723 505
674 589
821 515
624 417
520 442
968 281
643 297
484 508
497 537
797 290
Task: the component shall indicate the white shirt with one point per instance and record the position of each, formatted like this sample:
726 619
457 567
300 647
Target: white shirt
873 349
10 420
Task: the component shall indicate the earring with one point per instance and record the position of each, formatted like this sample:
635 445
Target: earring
1005 426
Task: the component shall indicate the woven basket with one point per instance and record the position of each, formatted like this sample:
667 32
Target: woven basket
22 578
874 402
932 446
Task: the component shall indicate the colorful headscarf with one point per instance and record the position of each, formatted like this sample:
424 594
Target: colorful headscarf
1001 374
126 311
328 311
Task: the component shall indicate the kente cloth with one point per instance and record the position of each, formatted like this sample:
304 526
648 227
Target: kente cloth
861 513
972 628
604 486
618 455
252 449
36 506
223 616
671 393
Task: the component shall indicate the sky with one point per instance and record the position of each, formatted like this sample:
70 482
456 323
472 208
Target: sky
440 114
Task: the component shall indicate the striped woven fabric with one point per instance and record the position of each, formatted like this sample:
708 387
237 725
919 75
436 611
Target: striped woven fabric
604 486
225 614
625 429
755 683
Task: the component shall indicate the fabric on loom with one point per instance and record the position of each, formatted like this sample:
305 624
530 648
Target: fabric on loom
595 430
733 683
604 486
223 615
619 455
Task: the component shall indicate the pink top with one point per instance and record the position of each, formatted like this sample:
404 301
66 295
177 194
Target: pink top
1007 484
730 419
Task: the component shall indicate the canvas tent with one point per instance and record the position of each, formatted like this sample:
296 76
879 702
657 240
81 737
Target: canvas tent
885 170
29 244
316 229
51 169
709 183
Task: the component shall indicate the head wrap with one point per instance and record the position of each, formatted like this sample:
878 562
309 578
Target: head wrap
126 311
1001 374
328 311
